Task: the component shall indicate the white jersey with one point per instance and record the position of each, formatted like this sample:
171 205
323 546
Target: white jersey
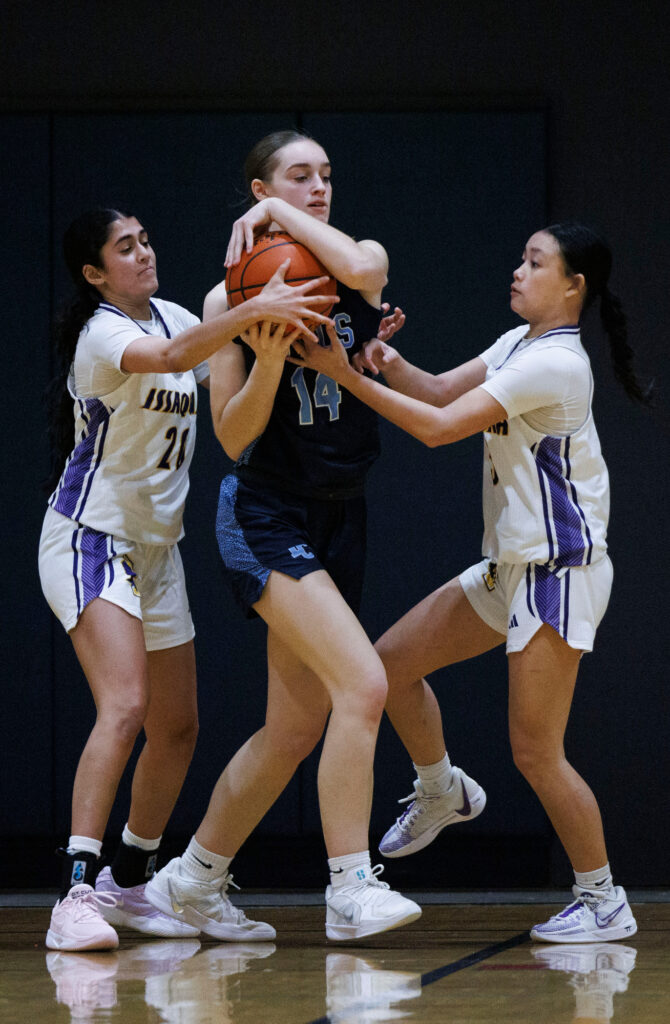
134 432
546 487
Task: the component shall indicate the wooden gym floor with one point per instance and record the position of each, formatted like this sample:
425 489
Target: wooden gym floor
467 960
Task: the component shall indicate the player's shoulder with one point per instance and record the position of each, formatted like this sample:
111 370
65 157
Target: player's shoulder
179 316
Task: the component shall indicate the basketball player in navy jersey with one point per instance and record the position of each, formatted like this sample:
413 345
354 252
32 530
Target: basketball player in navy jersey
291 531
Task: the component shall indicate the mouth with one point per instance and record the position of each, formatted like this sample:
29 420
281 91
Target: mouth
318 205
514 291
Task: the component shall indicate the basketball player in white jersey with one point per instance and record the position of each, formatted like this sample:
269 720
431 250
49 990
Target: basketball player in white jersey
123 413
544 582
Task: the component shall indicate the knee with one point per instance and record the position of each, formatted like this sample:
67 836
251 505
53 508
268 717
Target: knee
126 721
177 736
296 743
532 758
366 700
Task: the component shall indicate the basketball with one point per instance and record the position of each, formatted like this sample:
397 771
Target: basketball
257 267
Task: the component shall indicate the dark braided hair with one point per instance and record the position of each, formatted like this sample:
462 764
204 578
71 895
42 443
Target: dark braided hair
586 252
82 244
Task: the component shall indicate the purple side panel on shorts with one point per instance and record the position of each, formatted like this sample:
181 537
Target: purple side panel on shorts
566 514
90 562
548 596
69 501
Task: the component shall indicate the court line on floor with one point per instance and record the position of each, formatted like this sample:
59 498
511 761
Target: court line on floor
430 977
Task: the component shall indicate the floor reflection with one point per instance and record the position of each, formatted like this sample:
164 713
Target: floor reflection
597 973
360 991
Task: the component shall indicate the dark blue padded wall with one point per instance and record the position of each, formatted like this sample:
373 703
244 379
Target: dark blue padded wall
26 751
453 197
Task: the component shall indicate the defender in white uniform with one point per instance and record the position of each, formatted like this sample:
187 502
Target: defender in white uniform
545 579
123 418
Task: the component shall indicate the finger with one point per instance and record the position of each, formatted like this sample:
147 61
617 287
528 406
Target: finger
280 272
304 330
385 307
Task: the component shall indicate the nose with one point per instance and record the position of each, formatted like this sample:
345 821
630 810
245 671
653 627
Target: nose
518 272
318 185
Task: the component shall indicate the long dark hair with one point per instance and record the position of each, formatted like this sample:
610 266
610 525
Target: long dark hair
82 244
263 159
586 252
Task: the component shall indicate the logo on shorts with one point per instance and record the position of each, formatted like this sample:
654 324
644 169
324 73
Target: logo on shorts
513 622
490 576
300 551
129 568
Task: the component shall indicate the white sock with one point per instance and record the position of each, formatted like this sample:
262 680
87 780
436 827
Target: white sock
202 864
350 868
598 881
130 839
435 778
84 844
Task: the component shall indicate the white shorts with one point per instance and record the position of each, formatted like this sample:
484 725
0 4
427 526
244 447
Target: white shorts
516 599
78 563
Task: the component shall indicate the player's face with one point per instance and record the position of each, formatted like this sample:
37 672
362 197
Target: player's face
302 178
127 268
541 286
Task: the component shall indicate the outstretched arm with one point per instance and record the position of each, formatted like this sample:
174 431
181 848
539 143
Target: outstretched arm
401 375
470 413
280 302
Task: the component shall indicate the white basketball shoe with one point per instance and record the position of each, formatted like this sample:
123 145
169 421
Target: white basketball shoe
591 918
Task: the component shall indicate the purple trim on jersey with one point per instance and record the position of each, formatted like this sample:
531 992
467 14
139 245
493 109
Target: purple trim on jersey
566 516
566 604
70 502
573 491
568 329
107 306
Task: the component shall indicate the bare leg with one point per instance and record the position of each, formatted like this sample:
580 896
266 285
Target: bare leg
323 648
541 685
297 711
441 630
109 644
171 729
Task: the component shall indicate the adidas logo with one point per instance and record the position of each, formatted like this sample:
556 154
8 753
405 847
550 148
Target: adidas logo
513 622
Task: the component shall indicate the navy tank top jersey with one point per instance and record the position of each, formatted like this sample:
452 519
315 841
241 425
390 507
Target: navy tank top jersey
320 441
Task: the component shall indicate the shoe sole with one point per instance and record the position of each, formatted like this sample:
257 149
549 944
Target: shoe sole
205 924
56 941
623 931
172 928
477 805
344 932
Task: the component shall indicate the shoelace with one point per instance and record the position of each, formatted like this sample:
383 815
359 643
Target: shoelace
226 881
88 902
414 796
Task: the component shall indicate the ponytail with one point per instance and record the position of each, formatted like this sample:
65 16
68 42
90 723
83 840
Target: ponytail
58 400
82 245
587 253
615 326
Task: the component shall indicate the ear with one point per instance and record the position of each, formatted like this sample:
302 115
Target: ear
577 285
258 189
92 275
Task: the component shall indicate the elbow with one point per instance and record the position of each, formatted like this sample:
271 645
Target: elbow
364 277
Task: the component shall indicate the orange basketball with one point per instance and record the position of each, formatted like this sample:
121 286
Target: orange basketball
257 267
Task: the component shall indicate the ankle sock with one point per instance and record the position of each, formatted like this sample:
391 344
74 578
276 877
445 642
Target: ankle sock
135 860
435 778
81 862
597 882
349 869
197 862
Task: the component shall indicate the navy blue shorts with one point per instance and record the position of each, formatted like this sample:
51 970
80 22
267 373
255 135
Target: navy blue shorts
261 530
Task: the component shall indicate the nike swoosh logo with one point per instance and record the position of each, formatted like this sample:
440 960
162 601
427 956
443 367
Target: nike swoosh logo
209 866
602 922
176 907
465 809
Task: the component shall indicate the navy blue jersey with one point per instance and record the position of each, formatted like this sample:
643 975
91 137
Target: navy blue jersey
320 441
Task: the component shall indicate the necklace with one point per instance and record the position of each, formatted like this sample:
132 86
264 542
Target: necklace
155 315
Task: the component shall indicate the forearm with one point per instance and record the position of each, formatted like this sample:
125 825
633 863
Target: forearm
356 265
197 343
247 413
408 379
